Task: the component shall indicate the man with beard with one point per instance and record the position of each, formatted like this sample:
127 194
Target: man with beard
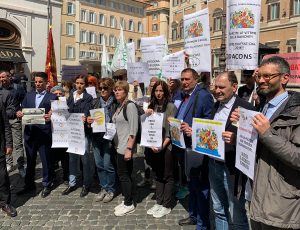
276 187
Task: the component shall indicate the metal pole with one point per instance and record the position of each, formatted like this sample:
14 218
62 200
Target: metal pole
222 58
49 17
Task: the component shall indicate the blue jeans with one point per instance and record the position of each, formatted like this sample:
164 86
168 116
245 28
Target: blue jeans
229 211
87 166
199 203
105 169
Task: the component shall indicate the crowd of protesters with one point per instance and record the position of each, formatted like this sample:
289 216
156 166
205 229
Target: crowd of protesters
215 187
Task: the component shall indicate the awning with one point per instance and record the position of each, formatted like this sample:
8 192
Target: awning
11 55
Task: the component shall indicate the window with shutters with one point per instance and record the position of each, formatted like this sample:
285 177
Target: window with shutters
83 16
92 37
102 19
101 39
174 34
70 29
140 27
113 22
71 8
294 7
131 25
273 11
70 52
123 23
92 17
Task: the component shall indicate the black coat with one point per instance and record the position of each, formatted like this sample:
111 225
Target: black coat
5 131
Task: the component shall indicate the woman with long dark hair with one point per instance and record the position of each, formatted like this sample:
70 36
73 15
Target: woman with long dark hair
79 102
161 159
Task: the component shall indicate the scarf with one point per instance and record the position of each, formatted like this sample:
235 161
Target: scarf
107 105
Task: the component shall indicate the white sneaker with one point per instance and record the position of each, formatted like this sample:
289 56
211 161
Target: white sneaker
161 212
124 210
100 196
119 206
154 209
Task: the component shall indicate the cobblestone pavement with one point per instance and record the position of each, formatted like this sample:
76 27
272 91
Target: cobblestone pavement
72 212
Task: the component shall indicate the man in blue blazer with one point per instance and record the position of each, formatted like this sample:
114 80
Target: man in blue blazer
197 102
37 138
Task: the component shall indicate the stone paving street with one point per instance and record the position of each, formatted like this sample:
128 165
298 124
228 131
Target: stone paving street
72 212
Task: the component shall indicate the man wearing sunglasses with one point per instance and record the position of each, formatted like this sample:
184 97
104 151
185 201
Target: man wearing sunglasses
276 186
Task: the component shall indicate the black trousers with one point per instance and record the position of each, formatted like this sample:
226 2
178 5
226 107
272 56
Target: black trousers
60 154
124 169
4 183
162 164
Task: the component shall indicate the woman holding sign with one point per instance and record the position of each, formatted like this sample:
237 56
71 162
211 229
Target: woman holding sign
161 159
126 131
102 147
79 102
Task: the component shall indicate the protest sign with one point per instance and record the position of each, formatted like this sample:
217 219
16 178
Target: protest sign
131 52
110 131
243 23
197 40
207 138
33 116
138 71
176 134
152 130
173 64
153 50
294 60
91 91
246 143
98 125
76 137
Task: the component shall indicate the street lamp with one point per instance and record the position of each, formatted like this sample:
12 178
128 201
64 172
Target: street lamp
222 57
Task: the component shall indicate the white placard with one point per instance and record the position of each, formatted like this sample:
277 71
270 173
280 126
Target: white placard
207 138
91 91
138 71
76 137
153 50
246 143
33 116
176 134
173 64
243 23
131 52
59 129
110 131
57 105
152 130
197 40
99 120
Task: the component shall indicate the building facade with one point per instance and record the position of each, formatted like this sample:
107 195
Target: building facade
158 18
86 24
279 25
24 31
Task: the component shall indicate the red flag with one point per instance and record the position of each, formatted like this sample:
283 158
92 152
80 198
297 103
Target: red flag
50 68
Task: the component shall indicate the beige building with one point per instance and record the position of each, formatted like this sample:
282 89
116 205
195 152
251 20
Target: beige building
86 24
157 12
279 25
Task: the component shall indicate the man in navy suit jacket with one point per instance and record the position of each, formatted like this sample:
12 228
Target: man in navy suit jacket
197 102
37 138
224 178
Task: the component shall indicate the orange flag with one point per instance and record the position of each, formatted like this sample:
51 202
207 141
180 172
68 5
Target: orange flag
50 68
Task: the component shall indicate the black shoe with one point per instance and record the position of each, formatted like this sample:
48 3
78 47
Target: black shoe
27 189
46 191
68 190
9 210
186 221
85 190
66 182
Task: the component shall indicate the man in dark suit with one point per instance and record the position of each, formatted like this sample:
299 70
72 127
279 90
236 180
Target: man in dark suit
5 148
197 102
37 138
226 182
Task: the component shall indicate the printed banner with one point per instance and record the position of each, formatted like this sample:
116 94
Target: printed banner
138 71
207 138
197 40
243 23
153 50
246 143
294 60
176 134
76 137
152 130
173 64
131 52
98 125
33 116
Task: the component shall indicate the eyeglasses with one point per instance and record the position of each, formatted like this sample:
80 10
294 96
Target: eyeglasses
267 77
103 88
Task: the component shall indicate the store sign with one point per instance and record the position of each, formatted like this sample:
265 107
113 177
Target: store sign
11 55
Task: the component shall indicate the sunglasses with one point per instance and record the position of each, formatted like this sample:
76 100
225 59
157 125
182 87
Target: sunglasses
103 88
